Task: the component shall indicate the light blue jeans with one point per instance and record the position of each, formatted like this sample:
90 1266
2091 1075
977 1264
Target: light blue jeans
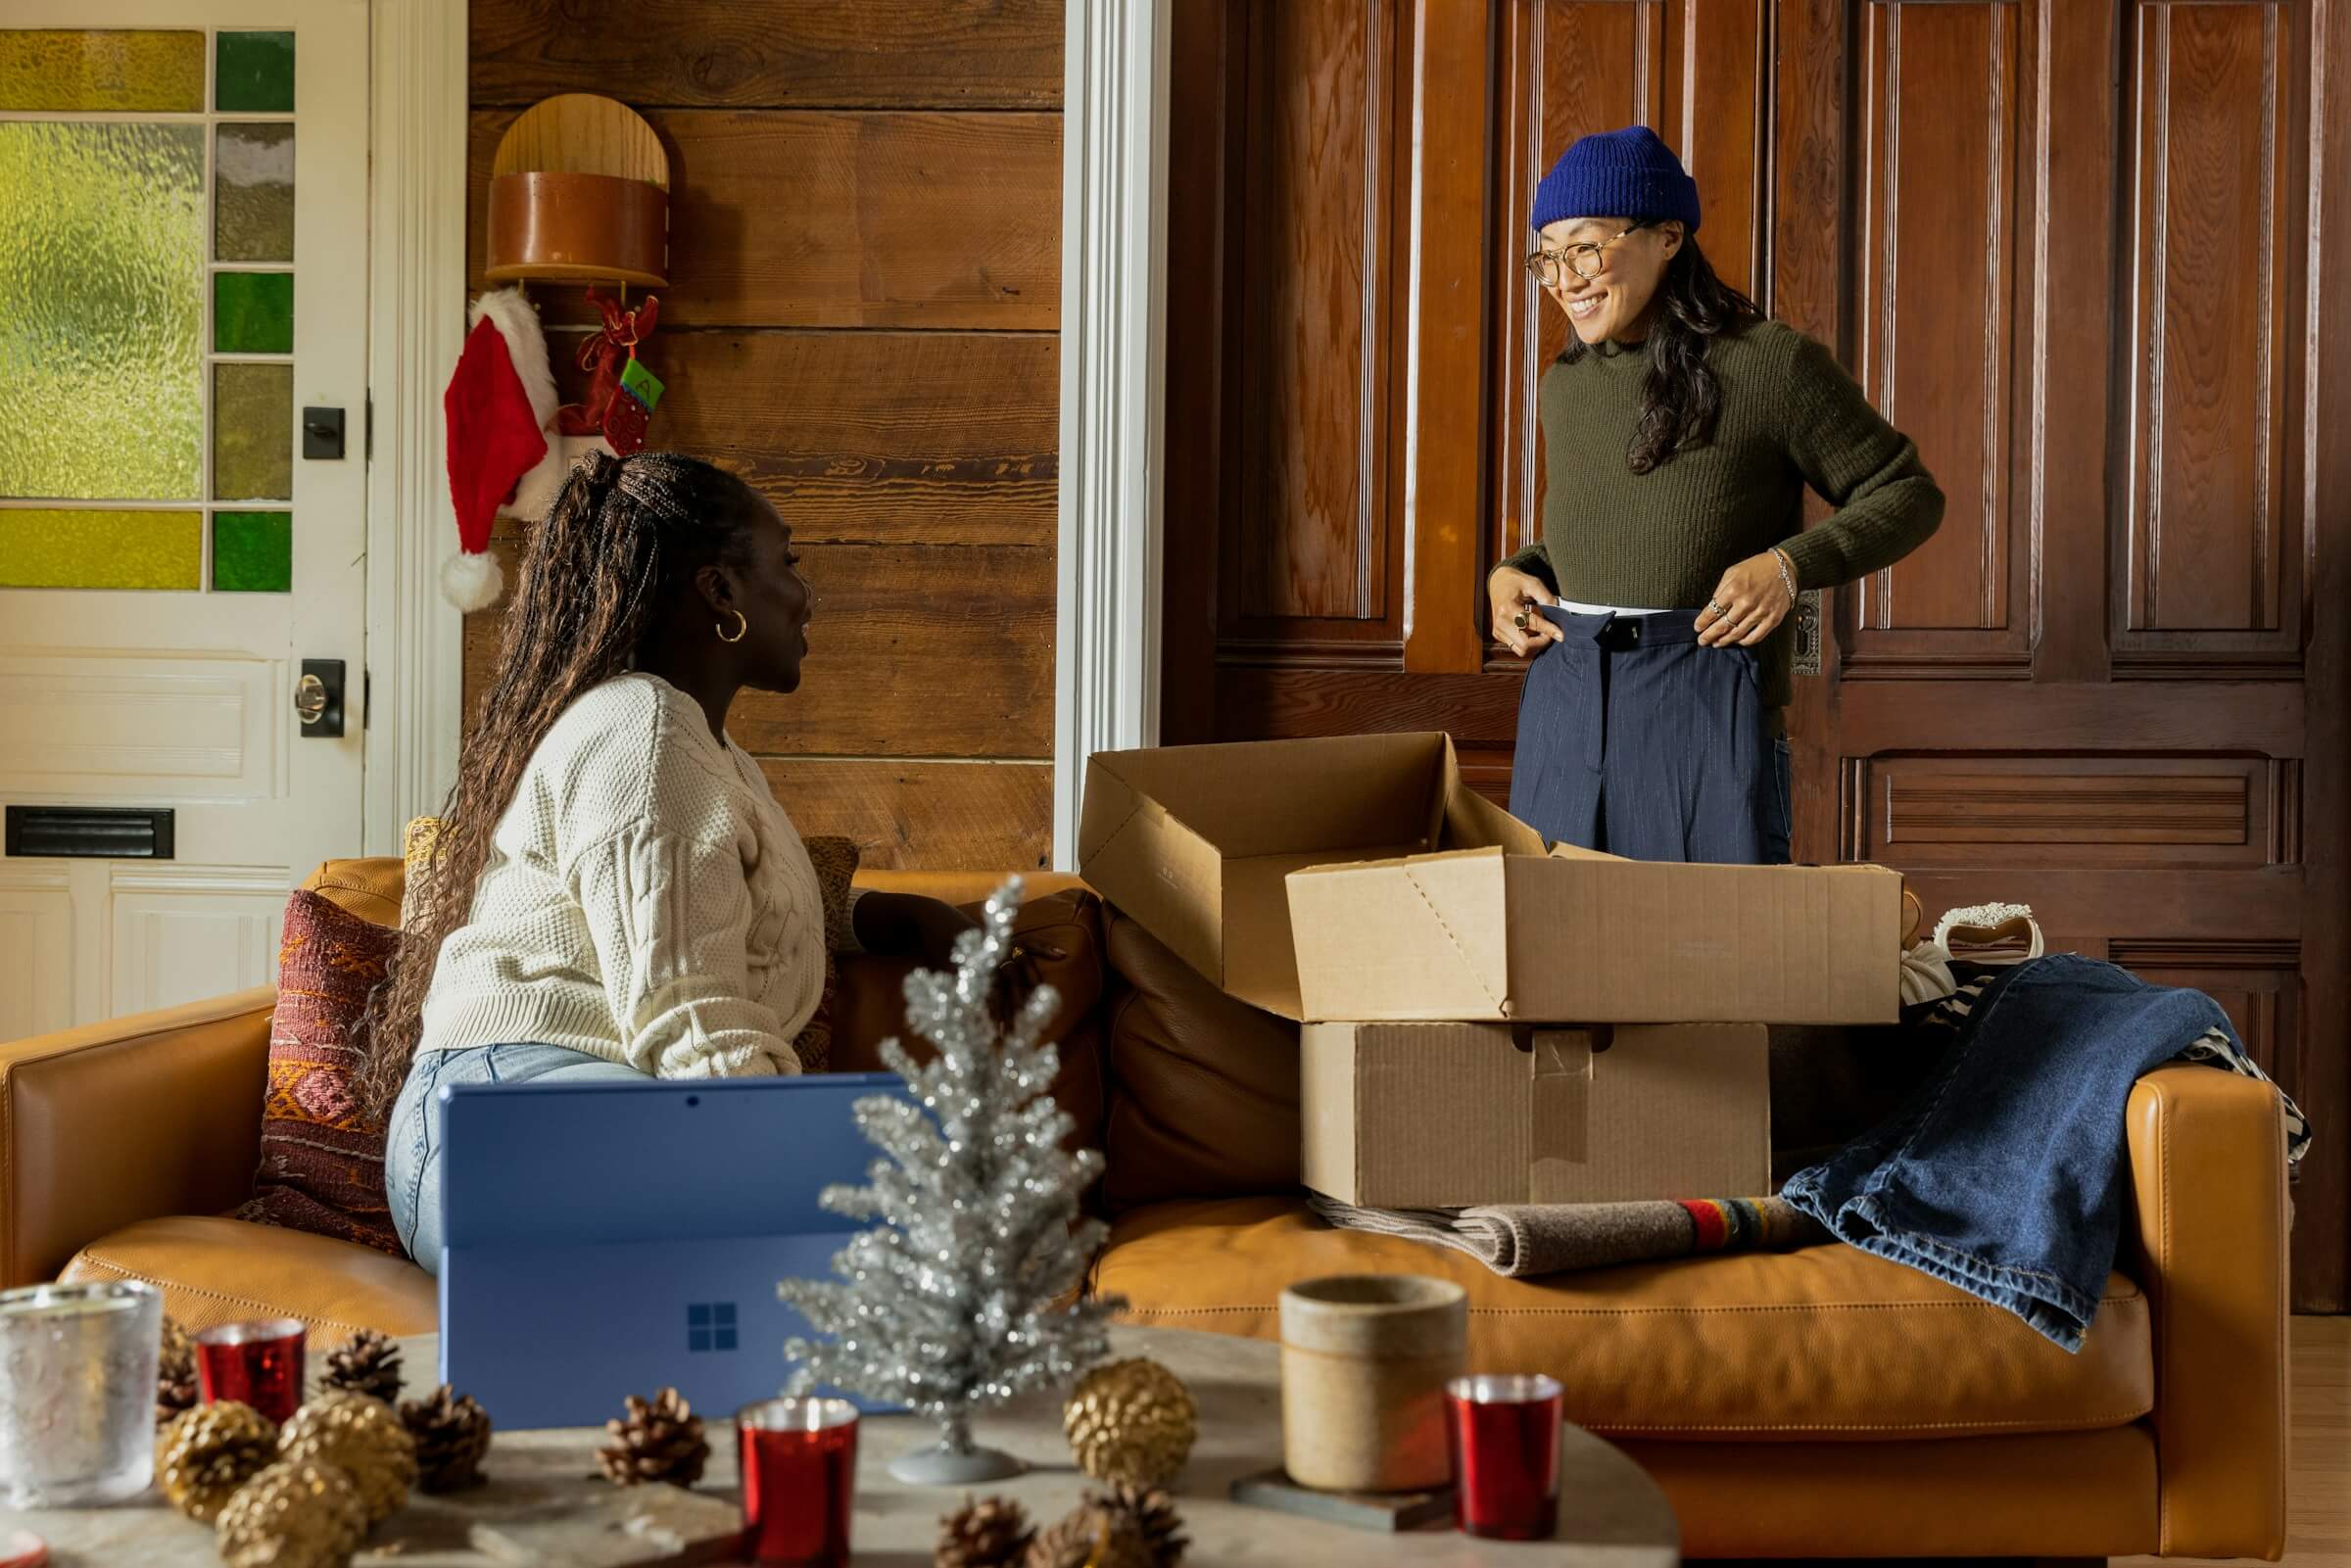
413 1148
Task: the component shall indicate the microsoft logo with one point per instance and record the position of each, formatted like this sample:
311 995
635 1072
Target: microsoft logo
710 1326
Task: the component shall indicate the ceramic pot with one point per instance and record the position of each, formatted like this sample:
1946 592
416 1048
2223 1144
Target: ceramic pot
1364 1360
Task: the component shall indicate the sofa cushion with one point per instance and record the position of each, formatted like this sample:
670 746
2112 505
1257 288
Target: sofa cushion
370 889
1203 1088
218 1270
322 1161
1060 937
1826 1344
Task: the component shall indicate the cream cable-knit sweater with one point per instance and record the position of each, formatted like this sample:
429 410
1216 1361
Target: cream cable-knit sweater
645 900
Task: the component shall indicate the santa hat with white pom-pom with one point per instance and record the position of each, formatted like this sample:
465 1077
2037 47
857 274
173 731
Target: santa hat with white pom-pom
505 453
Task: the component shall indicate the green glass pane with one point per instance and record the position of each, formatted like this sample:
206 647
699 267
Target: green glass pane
253 312
252 432
103 70
253 194
101 311
256 74
57 547
252 552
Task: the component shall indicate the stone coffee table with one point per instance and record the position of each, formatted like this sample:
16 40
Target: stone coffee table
545 1504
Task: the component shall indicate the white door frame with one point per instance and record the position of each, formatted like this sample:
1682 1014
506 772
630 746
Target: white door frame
416 324
1113 368
1114 204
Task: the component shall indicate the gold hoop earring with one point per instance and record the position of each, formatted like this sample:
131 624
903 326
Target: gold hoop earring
741 625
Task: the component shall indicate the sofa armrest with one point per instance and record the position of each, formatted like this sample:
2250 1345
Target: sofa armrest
135 1118
2208 1169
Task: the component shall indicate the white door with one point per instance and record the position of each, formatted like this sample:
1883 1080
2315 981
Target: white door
183 272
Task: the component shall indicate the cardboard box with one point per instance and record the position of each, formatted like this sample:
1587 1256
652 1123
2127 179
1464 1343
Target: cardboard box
1576 936
1424 1116
1196 842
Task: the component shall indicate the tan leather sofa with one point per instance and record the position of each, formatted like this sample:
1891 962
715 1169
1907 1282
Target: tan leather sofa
1817 1404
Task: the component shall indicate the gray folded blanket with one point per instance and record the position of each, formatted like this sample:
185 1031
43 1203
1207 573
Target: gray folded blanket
1520 1241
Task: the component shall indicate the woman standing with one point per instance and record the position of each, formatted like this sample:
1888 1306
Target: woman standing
1679 430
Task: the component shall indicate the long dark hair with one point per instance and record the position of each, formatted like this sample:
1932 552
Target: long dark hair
624 538
1681 399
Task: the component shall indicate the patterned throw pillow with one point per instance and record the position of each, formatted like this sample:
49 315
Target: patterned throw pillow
836 863
322 1163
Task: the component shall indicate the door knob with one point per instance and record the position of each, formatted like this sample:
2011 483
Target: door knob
318 698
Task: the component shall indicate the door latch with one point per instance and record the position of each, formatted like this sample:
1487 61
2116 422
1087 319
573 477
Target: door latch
318 698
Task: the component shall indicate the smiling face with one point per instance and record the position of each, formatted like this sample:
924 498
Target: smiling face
1612 304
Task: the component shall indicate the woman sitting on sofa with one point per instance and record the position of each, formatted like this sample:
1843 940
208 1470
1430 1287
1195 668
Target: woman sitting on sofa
614 894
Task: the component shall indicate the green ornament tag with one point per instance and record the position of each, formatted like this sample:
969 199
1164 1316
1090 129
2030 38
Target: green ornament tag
642 384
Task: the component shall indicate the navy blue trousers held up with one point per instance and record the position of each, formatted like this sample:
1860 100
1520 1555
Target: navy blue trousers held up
1635 739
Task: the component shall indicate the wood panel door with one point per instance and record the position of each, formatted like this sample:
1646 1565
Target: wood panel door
2077 251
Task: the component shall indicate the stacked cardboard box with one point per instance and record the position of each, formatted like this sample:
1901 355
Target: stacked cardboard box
1485 1021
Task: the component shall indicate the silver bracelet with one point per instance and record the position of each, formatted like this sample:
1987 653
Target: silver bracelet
1787 572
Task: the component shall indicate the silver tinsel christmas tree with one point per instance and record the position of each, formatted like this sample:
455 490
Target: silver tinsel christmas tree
952 1303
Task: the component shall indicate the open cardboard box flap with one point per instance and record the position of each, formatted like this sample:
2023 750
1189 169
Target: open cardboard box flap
1578 936
1197 844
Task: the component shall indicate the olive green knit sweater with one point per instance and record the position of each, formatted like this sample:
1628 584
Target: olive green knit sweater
1661 540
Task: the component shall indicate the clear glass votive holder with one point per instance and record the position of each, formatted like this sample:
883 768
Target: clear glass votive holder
77 1392
799 1480
1504 1435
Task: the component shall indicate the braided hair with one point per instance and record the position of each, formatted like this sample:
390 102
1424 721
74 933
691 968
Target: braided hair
620 546
1681 399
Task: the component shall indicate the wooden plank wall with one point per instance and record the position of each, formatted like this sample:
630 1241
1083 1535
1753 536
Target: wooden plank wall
862 320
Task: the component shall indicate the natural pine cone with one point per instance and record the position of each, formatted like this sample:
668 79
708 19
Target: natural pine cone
1153 1513
295 1515
451 1433
1131 1421
1091 1537
364 1437
368 1363
659 1442
175 1386
993 1532
211 1450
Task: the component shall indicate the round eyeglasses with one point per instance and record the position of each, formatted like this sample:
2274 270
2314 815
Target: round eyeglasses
1587 258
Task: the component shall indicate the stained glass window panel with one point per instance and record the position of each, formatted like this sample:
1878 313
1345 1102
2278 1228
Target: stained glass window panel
253 196
253 312
252 432
101 70
252 552
102 277
256 74
87 548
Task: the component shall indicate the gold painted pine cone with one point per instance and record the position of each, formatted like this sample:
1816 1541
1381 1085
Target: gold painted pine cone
364 1437
661 1440
991 1533
1153 1513
298 1513
211 1450
1130 1422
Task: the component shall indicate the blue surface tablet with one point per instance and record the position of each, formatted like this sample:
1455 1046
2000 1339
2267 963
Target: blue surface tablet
609 1239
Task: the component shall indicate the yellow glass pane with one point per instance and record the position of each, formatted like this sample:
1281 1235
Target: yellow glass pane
78 548
101 69
252 432
102 289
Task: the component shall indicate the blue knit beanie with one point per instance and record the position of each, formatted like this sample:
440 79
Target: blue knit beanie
1617 174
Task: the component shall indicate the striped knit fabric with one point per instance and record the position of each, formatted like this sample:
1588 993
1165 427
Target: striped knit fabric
1523 1241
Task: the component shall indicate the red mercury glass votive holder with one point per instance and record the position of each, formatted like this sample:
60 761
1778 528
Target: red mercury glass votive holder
799 1479
1505 1437
258 1364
